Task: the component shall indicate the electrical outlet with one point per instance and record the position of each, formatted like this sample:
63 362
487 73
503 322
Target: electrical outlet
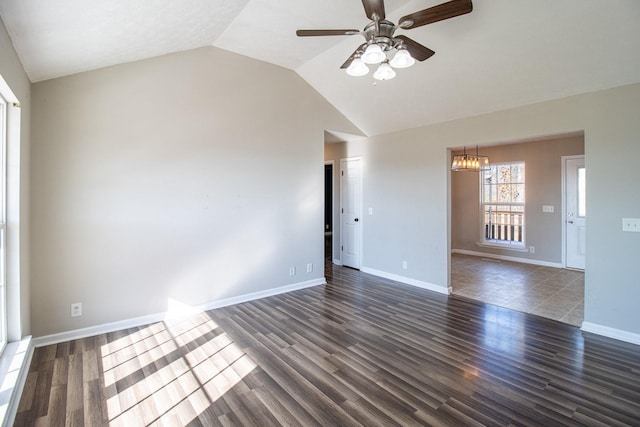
532 249
309 268
292 271
404 265
76 309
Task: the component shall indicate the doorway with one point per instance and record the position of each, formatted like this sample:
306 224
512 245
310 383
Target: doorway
533 278
328 210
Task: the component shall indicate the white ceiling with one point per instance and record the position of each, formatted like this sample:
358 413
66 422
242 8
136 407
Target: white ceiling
504 54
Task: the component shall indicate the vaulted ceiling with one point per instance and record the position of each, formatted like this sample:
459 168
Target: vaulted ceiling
504 54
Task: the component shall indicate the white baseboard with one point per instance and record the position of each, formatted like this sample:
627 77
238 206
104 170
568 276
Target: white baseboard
336 261
607 331
508 258
159 317
408 281
14 367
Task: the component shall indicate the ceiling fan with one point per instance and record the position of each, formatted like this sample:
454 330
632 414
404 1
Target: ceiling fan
382 46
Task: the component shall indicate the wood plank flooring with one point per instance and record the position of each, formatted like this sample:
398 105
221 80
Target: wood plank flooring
359 351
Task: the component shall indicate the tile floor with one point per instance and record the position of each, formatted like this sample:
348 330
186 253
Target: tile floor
550 292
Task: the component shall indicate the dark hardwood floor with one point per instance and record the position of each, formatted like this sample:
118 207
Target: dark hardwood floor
359 351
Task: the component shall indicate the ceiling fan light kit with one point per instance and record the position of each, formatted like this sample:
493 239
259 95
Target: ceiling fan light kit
382 46
373 54
402 59
384 72
357 68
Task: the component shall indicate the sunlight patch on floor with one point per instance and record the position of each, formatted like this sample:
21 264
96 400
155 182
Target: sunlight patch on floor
178 392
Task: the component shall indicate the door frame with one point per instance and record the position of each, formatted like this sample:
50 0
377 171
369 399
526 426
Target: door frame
564 205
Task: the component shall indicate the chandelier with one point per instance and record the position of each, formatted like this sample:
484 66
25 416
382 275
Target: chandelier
469 162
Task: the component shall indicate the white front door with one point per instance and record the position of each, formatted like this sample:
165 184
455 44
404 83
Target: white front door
351 211
576 212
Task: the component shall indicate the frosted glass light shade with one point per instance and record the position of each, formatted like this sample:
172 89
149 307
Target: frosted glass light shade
357 68
402 59
384 72
373 54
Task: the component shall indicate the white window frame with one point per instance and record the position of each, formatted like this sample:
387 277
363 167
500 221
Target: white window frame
514 227
3 240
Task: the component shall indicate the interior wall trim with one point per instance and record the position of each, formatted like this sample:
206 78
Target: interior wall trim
14 367
508 258
409 281
159 317
614 333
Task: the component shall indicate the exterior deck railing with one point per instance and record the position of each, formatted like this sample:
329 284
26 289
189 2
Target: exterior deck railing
504 226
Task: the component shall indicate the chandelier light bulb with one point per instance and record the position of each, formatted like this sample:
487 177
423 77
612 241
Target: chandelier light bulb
402 59
469 162
373 54
384 72
357 68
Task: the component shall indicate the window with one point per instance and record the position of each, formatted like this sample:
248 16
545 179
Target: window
582 204
3 307
502 204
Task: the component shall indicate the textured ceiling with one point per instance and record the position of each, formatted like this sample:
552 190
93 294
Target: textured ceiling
504 54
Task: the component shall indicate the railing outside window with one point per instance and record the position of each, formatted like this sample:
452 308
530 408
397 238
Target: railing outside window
504 223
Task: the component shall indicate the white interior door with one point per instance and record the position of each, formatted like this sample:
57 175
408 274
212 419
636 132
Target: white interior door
576 212
351 212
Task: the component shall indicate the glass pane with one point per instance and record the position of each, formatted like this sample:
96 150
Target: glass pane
518 209
509 193
3 307
504 174
518 193
490 193
517 173
582 205
503 193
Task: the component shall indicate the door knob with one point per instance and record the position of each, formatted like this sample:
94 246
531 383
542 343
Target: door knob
570 222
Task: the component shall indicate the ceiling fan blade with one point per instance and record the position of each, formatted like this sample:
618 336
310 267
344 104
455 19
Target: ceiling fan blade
372 7
437 13
353 56
417 51
311 33
347 62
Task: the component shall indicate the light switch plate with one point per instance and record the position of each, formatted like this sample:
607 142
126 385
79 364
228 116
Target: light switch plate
631 224
548 208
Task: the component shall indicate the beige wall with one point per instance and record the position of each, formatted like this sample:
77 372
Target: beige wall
187 179
543 167
18 154
407 183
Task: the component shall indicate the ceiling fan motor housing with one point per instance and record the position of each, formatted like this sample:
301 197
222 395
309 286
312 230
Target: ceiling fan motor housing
381 33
